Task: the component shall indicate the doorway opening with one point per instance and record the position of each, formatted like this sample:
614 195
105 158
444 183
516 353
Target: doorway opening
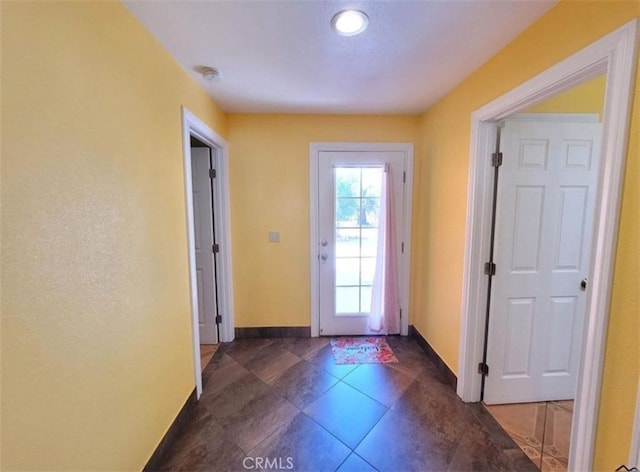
208 239
545 179
612 55
541 429
545 176
207 351
356 189
204 162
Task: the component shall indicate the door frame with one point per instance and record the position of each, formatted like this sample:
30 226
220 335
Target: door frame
634 453
193 126
404 271
614 54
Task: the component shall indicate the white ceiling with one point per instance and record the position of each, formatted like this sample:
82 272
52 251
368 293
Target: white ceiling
282 55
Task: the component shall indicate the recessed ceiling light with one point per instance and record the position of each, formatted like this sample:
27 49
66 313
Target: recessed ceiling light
350 22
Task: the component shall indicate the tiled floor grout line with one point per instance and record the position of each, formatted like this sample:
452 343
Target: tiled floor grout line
347 458
544 432
267 381
300 411
381 416
539 461
352 450
341 380
323 427
273 433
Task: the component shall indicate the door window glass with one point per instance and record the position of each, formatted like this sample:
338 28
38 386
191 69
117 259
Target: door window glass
357 205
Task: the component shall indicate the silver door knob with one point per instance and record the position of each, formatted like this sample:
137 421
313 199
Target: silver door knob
324 243
324 257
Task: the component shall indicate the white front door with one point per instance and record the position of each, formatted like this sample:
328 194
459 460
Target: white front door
349 185
204 239
544 220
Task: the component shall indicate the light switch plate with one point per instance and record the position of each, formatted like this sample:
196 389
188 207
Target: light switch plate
274 236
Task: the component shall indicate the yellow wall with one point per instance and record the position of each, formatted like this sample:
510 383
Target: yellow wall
96 334
269 180
584 98
96 356
440 217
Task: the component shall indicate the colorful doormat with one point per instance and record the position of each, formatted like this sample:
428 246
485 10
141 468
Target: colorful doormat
364 350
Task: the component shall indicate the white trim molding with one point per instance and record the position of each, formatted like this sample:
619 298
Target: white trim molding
557 117
614 54
193 126
314 153
634 452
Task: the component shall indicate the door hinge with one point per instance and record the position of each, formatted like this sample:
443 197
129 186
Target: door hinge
400 313
404 177
212 173
483 369
215 248
489 268
496 159
402 248
218 319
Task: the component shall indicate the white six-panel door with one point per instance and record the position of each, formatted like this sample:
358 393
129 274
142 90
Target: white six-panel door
544 220
203 223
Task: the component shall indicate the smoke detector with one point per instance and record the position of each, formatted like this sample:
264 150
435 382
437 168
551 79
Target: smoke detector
210 74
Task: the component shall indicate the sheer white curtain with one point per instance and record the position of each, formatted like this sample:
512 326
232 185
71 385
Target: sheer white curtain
385 301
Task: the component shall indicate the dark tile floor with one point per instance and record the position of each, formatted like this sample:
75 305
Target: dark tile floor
283 404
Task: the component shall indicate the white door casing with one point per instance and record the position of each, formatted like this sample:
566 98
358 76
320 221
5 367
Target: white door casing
614 54
544 220
634 450
193 126
347 250
203 222
315 245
